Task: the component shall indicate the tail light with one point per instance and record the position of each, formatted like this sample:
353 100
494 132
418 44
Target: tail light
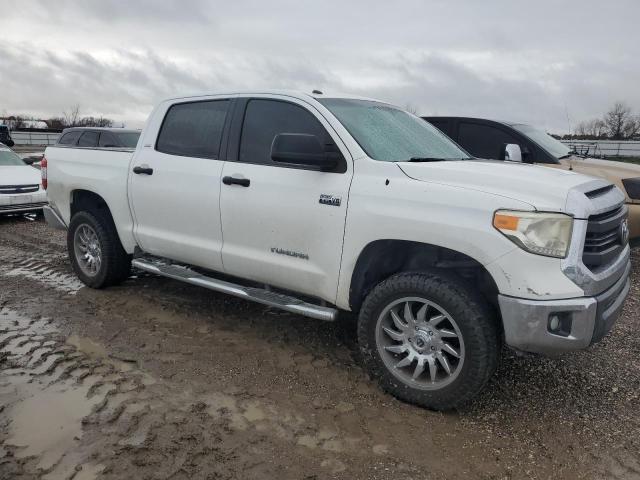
43 171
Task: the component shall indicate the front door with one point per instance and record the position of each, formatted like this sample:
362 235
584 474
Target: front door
283 226
175 184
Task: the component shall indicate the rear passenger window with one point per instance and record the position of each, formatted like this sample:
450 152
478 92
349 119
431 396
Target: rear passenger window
69 138
107 140
264 119
484 141
88 139
193 129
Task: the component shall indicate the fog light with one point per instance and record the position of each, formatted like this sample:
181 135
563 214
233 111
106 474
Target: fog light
559 323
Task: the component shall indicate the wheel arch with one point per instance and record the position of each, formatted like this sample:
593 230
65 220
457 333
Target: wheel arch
86 200
381 259
90 201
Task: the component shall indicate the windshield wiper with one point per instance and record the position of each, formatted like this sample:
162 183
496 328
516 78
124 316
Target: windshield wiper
426 159
435 159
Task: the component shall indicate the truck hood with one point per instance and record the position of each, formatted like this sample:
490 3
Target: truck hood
605 168
610 170
19 175
543 188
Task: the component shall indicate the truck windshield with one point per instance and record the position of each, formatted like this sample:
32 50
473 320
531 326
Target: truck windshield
546 141
10 159
387 133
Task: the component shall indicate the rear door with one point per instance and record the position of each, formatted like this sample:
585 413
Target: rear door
175 182
285 225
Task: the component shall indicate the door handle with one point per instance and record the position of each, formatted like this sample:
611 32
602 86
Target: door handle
243 182
143 170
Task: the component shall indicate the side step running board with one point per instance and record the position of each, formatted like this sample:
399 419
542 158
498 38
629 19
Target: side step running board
260 295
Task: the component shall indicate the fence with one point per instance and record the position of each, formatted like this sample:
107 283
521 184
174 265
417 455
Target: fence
34 138
604 148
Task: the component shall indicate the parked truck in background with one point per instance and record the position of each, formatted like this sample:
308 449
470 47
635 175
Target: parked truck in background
498 140
318 204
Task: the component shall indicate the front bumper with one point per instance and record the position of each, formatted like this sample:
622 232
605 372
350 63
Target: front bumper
584 321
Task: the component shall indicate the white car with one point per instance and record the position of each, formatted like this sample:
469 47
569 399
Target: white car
343 203
20 189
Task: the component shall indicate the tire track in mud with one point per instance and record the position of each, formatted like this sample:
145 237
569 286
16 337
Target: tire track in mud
44 273
74 411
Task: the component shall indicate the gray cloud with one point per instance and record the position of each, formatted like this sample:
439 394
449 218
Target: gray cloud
533 61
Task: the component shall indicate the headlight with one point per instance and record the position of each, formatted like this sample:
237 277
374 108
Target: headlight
632 186
547 234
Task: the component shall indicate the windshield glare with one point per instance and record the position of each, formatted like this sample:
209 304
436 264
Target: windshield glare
10 159
389 134
546 141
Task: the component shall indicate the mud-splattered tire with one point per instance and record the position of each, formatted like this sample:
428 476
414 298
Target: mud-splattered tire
410 321
96 230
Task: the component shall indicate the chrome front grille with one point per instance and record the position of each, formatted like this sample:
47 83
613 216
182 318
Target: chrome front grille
14 189
605 238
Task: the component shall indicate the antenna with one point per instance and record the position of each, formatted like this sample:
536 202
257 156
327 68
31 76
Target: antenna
566 111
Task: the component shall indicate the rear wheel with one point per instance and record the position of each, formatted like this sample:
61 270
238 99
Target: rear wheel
428 339
95 250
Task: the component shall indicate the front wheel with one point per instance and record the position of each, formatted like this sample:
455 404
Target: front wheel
95 250
428 339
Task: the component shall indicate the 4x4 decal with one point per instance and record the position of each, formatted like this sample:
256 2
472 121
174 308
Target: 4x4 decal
330 200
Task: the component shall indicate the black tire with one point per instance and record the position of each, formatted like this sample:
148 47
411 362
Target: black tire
116 263
473 317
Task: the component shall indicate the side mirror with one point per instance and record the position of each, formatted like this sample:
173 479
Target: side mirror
29 160
302 149
512 152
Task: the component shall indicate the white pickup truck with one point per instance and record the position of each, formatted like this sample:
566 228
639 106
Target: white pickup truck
318 204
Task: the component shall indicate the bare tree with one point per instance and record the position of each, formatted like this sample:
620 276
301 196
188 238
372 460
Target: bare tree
14 122
95 122
631 127
591 129
72 116
617 120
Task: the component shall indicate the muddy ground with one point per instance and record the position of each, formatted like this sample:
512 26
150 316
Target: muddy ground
156 379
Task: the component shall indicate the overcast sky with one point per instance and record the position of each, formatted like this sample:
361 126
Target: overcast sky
549 63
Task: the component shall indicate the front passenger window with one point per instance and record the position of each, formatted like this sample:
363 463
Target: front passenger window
264 119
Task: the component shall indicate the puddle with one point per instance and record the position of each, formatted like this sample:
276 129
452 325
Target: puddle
98 351
49 422
87 346
50 388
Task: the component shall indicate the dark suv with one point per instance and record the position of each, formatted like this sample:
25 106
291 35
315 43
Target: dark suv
99 138
5 137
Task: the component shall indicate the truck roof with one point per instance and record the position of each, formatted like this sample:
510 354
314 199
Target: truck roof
104 129
290 93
